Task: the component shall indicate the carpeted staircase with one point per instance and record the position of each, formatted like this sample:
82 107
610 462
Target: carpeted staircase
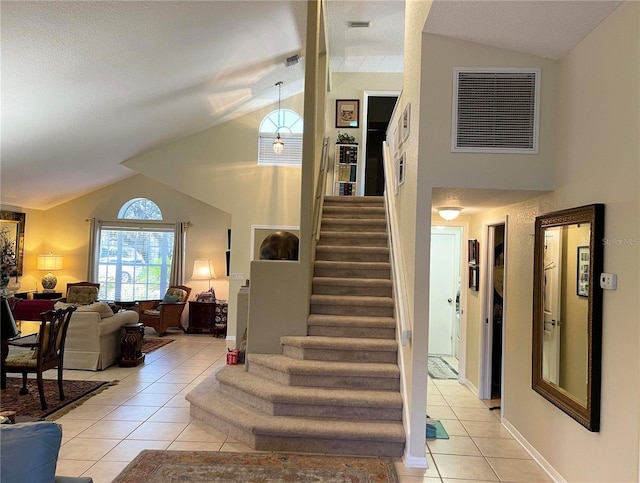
337 390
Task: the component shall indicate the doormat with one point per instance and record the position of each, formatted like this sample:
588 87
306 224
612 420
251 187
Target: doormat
440 369
441 433
149 345
27 407
152 466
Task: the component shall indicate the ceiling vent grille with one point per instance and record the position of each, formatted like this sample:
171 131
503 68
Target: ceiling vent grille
495 111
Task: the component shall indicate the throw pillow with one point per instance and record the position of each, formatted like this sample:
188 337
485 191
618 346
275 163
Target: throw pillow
177 292
29 451
82 295
170 299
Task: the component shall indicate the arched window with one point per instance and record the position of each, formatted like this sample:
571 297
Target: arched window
290 126
134 253
140 209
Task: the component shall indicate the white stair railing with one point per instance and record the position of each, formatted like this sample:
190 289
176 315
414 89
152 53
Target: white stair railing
318 201
397 263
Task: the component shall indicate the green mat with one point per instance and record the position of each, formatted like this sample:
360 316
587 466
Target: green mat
441 433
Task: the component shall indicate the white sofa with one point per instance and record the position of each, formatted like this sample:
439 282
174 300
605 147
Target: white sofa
93 341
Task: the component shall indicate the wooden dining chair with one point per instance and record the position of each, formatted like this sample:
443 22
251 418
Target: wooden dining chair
47 352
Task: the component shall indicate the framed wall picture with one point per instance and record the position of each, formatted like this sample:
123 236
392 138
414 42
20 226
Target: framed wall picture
12 226
473 251
406 122
474 277
401 168
347 113
582 276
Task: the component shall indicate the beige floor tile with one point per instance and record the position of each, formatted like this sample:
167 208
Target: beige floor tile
194 446
108 398
128 449
158 431
450 480
72 467
188 370
157 400
459 445
486 429
436 400
453 427
110 429
417 479
430 472
172 415
441 412
464 401
178 401
467 467
501 448
105 472
475 414
164 388
198 431
87 449
177 378
91 411
516 470
131 413
73 427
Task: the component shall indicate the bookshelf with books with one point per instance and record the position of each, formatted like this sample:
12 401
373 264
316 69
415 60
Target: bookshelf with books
345 170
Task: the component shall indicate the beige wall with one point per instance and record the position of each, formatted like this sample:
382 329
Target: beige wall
597 125
64 230
219 167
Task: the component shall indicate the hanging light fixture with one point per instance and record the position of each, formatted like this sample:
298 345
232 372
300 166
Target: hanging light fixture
449 212
278 144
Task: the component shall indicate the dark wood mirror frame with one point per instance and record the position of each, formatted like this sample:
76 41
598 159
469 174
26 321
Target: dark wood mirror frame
588 415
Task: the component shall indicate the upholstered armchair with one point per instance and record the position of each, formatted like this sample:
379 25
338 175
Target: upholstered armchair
165 313
82 293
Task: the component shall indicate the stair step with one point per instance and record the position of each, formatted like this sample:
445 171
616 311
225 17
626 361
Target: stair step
296 372
351 326
352 239
336 269
352 305
373 287
339 349
344 212
354 224
310 402
273 433
352 254
354 201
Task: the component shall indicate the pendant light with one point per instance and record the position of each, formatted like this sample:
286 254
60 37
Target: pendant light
278 144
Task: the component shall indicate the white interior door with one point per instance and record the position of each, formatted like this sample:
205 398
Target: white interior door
551 305
445 263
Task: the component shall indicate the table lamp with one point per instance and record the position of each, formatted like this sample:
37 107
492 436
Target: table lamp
203 270
49 263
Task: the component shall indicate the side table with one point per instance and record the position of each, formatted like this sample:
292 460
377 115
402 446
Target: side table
201 316
131 345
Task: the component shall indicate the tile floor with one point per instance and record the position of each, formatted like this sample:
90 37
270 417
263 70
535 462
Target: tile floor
147 410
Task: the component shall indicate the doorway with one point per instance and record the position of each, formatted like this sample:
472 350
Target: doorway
379 108
494 293
444 295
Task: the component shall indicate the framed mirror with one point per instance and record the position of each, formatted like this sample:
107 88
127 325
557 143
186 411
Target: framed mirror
567 311
13 223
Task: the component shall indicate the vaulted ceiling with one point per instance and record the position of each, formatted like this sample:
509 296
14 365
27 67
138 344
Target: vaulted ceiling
88 85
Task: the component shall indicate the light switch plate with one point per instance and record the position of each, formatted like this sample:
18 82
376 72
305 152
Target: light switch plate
237 276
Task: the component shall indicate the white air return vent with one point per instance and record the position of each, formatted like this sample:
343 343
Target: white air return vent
495 110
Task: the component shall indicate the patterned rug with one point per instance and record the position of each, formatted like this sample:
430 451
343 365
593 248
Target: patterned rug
152 466
441 369
28 407
149 345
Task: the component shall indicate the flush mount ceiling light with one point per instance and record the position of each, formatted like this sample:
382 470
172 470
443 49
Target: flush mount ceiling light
278 144
449 212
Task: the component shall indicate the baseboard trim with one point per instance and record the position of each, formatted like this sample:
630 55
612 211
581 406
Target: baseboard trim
550 470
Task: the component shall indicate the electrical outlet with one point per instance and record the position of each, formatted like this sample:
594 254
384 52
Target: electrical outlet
608 281
237 276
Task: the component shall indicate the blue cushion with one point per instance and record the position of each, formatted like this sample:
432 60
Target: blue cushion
170 299
29 451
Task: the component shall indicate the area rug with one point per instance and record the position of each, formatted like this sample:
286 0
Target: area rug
149 345
152 466
27 407
441 433
440 369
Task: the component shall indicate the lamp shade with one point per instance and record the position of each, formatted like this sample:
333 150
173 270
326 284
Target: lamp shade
50 262
9 329
203 270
